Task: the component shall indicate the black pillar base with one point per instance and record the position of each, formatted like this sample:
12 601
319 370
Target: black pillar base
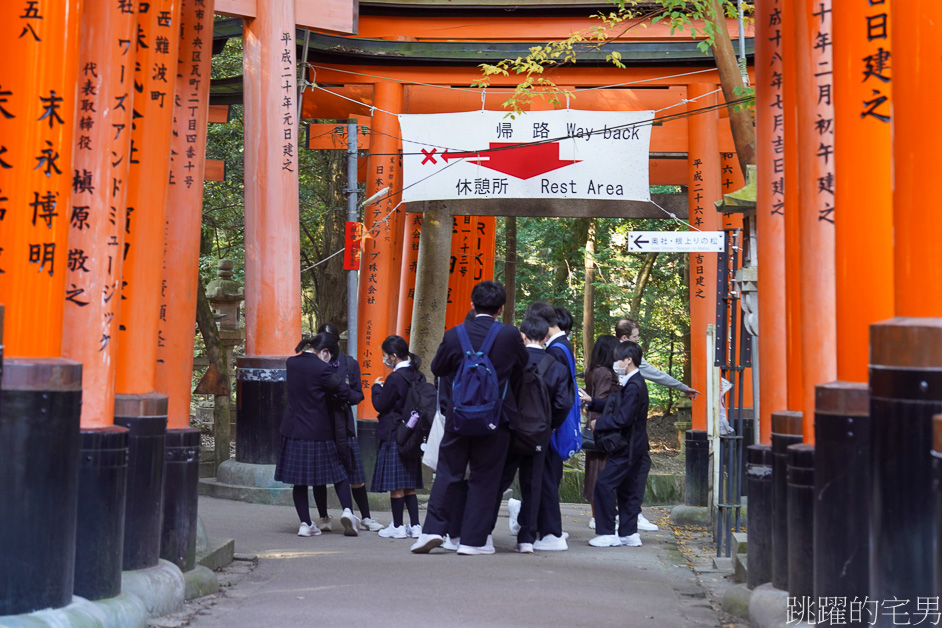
181 497
262 399
40 409
145 416
759 487
843 487
786 430
801 521
697 475
99 543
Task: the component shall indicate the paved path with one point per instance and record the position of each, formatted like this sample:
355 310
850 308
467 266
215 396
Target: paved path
372 581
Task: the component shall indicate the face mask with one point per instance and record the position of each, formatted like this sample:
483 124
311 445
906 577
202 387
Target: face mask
389 362
324 355
618 368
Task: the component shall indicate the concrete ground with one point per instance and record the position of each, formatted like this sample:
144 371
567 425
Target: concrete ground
369 580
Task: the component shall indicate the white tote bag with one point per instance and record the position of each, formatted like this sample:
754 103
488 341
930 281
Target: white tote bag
434 440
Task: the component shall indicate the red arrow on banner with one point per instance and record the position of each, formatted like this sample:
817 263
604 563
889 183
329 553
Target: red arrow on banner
522 161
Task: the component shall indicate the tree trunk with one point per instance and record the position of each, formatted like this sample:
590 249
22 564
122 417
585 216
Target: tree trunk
510 268
216 354
588 297
431 283
644 278
328 279
740 122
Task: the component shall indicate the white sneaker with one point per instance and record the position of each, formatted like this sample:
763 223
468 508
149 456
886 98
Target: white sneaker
451 543
644 524
371 525
393 532
551 543
513 509
632 540
523 548
308 530
426 543
487 548
414 531
349 522
592 523
324 524
605 540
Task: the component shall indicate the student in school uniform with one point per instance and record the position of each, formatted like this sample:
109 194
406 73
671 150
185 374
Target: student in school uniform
308 455
617 487
629 329
484 455
393 473
534 332
549 517
349 370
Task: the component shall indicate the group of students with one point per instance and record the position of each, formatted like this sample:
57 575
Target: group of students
474 469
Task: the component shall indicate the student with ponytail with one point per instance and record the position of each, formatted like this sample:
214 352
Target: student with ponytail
399 476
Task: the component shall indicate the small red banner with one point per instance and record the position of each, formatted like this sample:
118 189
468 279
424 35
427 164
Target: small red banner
351 253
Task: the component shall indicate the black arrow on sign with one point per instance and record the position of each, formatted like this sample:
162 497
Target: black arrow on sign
639 241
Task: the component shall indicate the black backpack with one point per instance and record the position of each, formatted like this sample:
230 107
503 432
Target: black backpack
532 423
421 399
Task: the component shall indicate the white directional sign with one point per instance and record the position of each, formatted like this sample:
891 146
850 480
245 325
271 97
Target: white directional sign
676 241
539 154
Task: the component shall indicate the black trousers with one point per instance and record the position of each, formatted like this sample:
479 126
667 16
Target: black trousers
548 519
485 455
531 485
621 482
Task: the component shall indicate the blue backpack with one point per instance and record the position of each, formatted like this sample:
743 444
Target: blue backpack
566 441
475 393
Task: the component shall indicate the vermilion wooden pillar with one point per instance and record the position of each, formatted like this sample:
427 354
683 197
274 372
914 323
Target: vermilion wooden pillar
272 245
461 277
272 253
792 205
703 191
379 282
813 54
157 43
37 107
185 212
40 395
410 260
917 218
770 213
864 187
96 235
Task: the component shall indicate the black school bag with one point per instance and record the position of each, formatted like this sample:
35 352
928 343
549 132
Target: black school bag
532 423
422 399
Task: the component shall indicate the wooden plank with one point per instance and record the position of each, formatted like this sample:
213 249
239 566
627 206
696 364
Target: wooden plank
333 136
215 170
236 8
340 16
218 114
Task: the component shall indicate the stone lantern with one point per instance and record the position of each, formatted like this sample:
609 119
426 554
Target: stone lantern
225 295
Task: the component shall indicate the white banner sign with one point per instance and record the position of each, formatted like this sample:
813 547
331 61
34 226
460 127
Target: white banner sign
540 154
676 241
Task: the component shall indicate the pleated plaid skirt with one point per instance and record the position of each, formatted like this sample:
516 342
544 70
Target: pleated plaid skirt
309 463
392 473
356 475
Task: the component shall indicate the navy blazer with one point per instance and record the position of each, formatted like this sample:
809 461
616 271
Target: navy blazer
389 400
311 383
508 356
628 411
558 354
558 384
351 368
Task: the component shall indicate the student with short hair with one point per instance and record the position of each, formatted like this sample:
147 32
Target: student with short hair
483 455
393 473
617 488
549 518
534 332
